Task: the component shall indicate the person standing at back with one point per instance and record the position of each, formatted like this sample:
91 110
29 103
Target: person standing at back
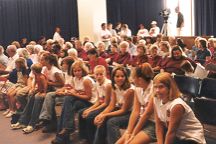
57 35
180 22
155 30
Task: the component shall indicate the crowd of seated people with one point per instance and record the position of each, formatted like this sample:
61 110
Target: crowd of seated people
91 80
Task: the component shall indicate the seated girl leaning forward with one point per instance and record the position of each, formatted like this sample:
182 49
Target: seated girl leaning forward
77 98
141 126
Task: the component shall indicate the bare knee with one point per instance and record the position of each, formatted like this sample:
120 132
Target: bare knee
141 138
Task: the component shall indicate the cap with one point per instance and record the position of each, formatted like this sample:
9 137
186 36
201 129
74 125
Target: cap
153 22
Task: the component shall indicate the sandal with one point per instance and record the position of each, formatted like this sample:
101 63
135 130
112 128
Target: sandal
28 129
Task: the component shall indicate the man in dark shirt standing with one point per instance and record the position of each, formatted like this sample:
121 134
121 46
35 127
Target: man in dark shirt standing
180 22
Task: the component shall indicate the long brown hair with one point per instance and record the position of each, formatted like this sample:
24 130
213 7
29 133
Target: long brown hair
82 65
126 84
166 79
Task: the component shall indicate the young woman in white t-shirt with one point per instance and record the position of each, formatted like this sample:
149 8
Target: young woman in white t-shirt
86 116
141 126
175 120
117 113
48 115
80 96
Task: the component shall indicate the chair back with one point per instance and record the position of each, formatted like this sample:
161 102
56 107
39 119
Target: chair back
205 104
208 88
188 85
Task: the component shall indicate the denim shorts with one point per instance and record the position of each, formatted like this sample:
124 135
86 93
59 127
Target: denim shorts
149 129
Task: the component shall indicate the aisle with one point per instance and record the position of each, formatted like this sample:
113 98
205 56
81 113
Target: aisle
8 136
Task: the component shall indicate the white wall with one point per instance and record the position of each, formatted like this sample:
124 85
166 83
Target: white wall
186 7
91 13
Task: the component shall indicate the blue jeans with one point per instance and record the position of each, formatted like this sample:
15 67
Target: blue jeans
71 105
30 115
110 128
48 109
86 125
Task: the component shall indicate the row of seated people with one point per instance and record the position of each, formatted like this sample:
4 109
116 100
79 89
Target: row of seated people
160 55
47 89
106 106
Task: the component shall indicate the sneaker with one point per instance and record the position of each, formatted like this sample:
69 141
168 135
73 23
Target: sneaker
28 129
6 112
9 114
17 126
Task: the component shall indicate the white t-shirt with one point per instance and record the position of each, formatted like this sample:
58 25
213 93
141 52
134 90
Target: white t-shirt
3 59
34 58
189 128
143 33
144 96
120 94
126 32
50 74
11 62
105 33
68 78
154 31
56 36
79 86
101 90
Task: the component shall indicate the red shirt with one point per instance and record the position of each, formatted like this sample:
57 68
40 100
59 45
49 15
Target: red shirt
174 66
124 59
113 57
82 54
98 61
138 60
154 61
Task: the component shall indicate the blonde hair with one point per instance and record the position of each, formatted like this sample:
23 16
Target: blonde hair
82 65
16 43
22 62
23 52
100 67
166 79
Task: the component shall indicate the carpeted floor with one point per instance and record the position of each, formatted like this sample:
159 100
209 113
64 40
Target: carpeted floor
8 136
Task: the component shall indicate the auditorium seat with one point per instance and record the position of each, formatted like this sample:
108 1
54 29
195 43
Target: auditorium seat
188 86
205 104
